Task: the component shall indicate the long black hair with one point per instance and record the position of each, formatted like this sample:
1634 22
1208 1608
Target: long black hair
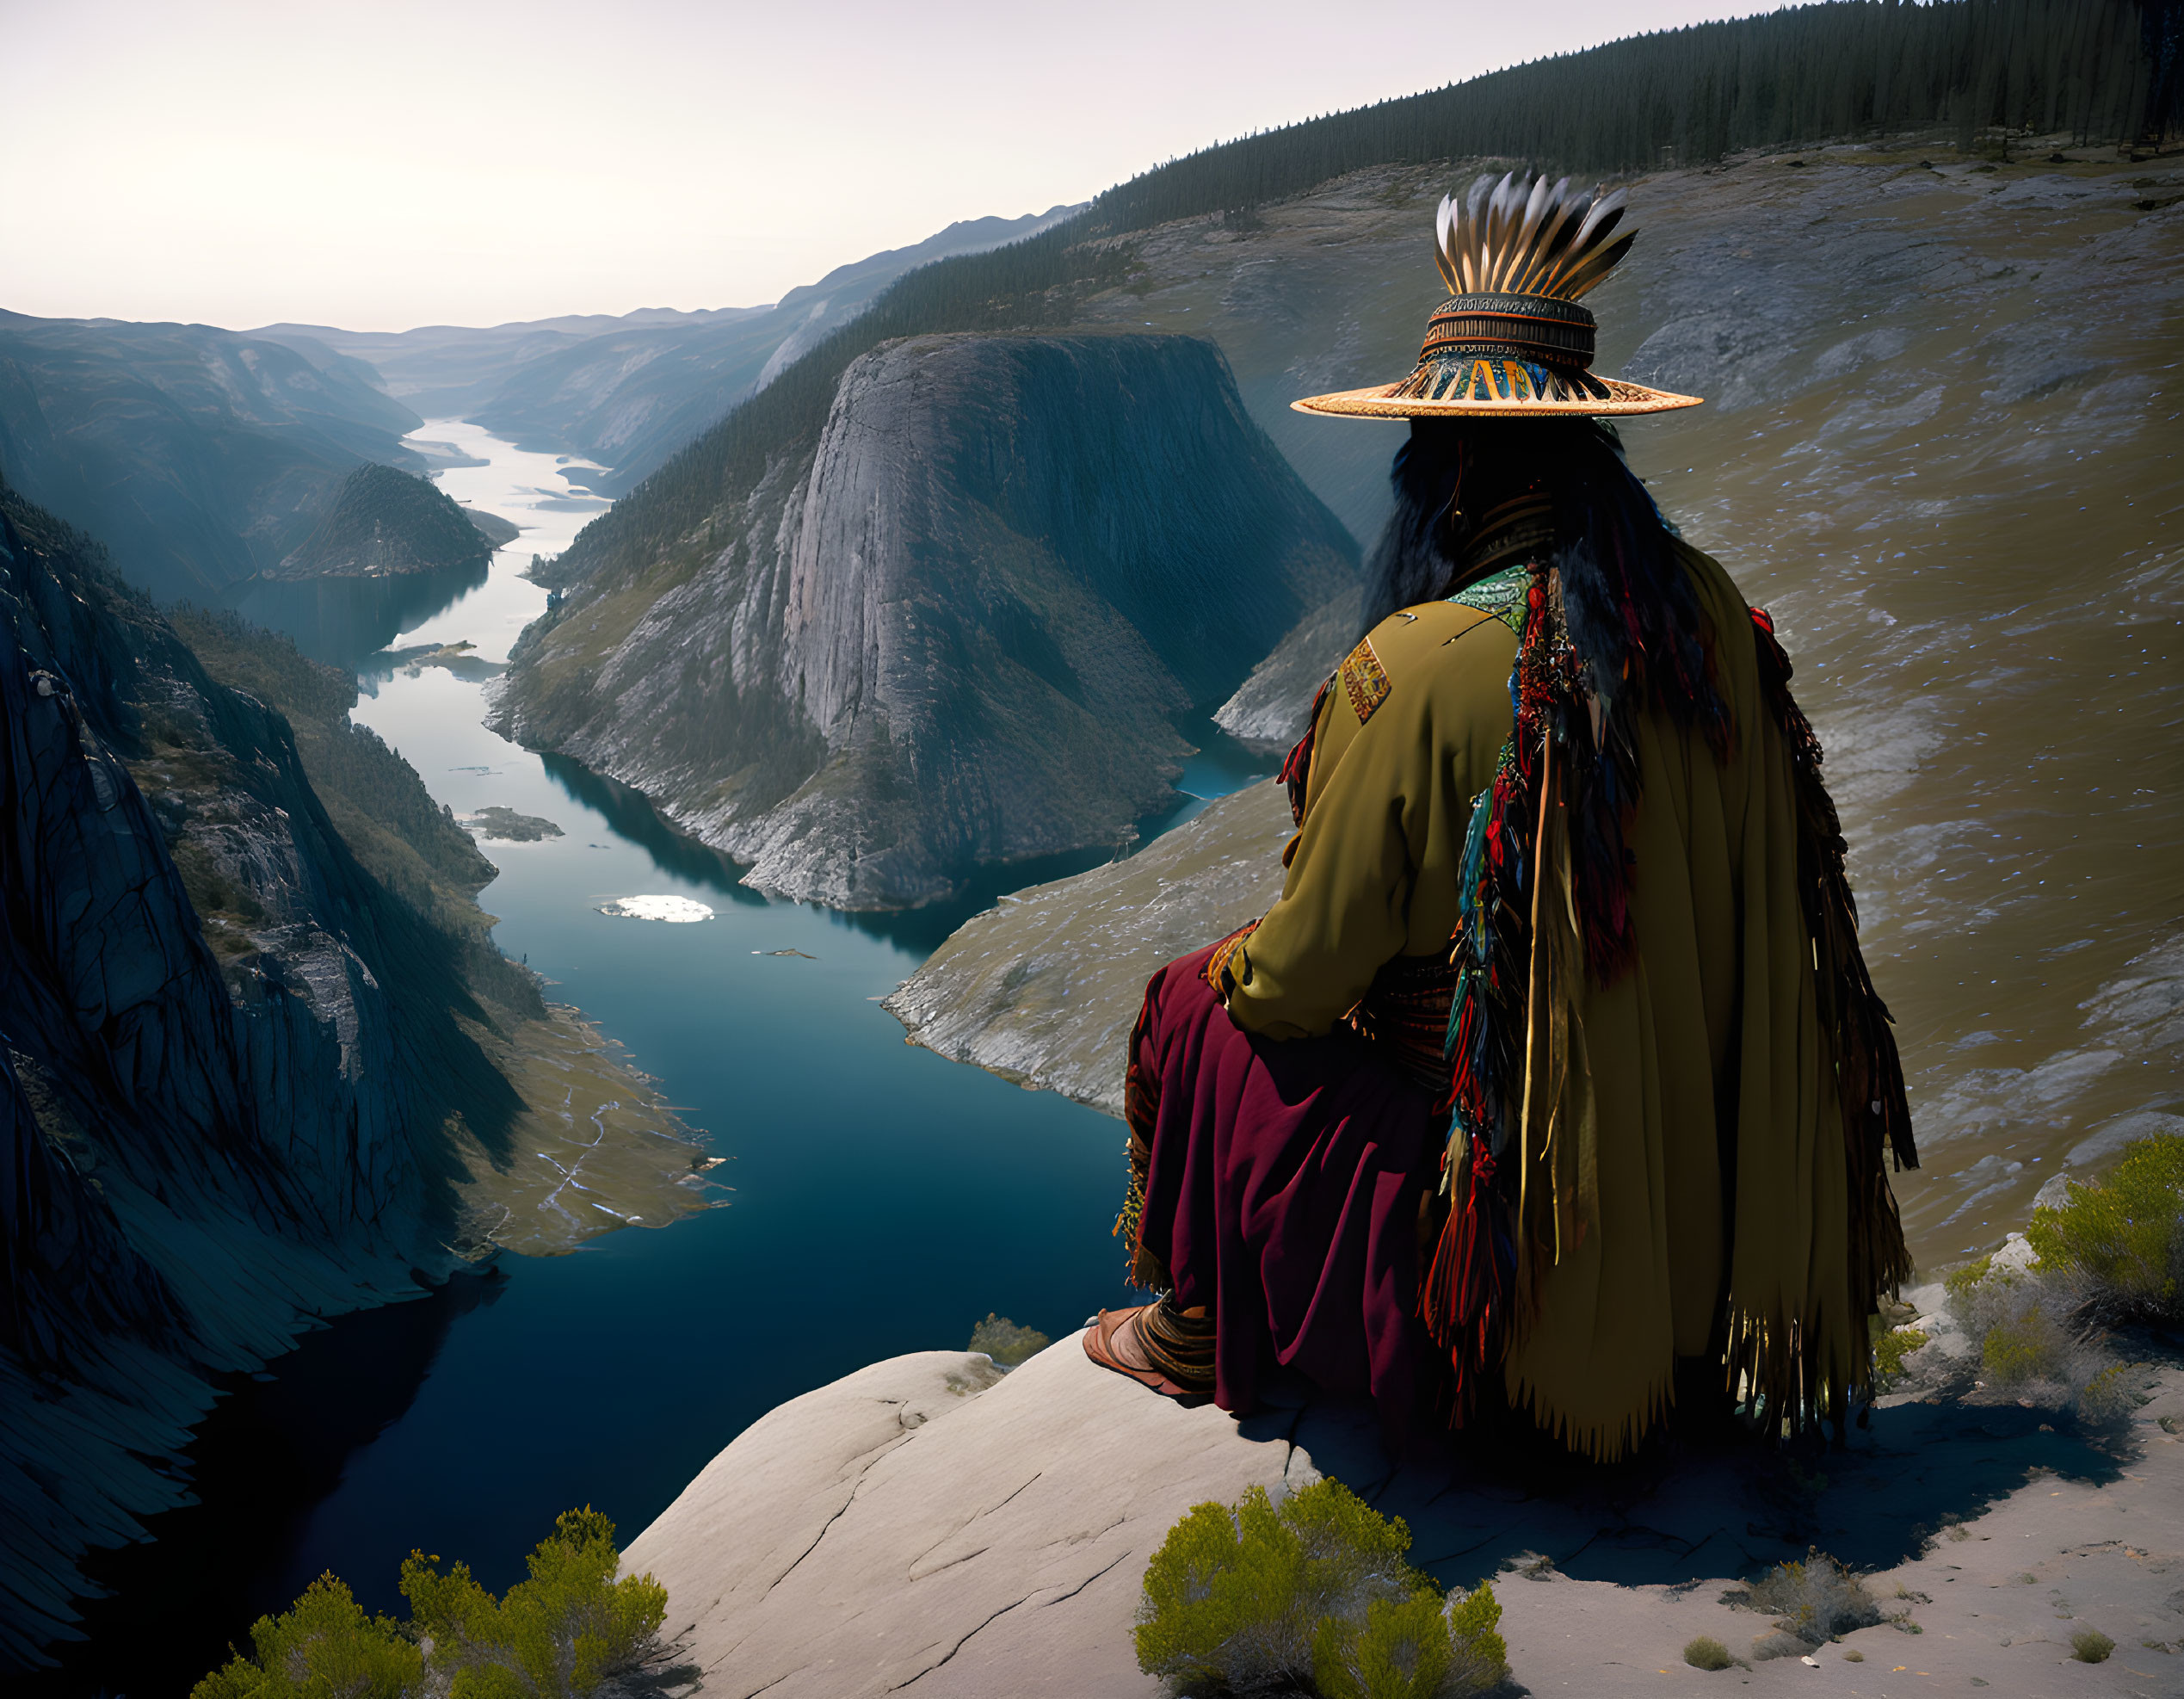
1630 607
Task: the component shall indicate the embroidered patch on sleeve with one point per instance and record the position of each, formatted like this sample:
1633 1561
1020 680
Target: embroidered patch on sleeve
1365 680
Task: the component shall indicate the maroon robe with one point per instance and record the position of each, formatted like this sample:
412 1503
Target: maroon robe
1293 1214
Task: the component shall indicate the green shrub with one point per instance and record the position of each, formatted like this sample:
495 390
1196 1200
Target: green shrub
2090 1646
324 1647
1007 1343
560 1632
2027 1346
557 1636
2108 1396
1706 1652
1891 1350
2123 1235
1313 1593
1964 1279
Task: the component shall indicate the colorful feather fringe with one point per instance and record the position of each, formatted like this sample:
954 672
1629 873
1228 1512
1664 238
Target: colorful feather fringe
1546 879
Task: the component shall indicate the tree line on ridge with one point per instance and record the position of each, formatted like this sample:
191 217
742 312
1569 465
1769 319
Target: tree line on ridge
2101 69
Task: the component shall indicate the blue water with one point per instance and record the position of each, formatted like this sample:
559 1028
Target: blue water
883 1200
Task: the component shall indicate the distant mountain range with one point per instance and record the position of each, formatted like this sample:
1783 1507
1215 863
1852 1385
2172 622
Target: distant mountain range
200 457
204 457
627 392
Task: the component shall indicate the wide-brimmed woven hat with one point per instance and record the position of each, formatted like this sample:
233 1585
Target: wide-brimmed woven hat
1511 340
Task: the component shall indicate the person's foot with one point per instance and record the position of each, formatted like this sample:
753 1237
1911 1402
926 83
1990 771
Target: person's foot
1112 1342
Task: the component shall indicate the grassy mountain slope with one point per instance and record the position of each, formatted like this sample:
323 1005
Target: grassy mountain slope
1959 68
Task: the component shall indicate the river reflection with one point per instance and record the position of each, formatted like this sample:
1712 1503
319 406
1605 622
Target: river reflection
341 620
272 1449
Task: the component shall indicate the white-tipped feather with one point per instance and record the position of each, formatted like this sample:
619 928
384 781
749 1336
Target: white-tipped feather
1527 232
1562 211
1524 236
1489 216
1509 209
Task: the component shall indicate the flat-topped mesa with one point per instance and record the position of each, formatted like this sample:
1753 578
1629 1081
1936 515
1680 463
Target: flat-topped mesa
386 523
954 630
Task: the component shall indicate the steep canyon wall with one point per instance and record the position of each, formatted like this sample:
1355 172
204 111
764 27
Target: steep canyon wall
232 1073
953 631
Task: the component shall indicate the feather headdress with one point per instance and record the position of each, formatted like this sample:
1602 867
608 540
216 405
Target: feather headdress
1517 256
1521 238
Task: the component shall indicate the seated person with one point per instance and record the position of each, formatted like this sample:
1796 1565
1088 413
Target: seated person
1554 1078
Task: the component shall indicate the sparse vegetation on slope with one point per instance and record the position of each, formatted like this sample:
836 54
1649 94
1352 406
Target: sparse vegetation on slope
547 1056
407 842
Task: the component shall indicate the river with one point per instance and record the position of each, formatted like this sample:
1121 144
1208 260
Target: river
883 1200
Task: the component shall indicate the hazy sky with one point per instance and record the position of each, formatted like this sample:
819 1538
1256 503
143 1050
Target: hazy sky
380 164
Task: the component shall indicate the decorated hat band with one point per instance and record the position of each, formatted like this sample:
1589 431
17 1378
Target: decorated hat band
1511 339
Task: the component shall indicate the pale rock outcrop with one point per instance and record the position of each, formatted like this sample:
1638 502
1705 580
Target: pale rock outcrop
1271 709
915 1522
926 1524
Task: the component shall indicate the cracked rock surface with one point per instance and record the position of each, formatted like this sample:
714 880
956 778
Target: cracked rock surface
927 1524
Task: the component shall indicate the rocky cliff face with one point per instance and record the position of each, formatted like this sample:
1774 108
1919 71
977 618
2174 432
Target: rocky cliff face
199 457
953 630
230 1072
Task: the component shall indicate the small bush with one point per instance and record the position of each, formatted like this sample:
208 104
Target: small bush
2123 1235
1891 1350
2027 1346
324 1646
2090 1646
557 1635
1706 1652
1007 1343
1814 1600
2108 1396
1313 1594
2028 1328
561 1632
1964 1279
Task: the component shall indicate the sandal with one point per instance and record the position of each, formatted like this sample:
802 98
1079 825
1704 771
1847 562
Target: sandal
1099 1345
